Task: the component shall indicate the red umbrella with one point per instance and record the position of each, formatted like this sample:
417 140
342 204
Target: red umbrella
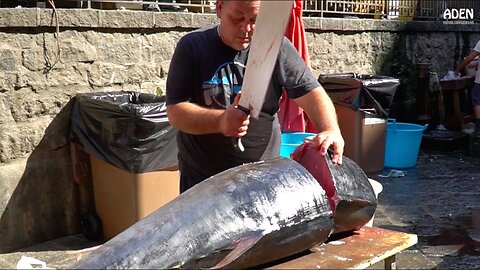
292 118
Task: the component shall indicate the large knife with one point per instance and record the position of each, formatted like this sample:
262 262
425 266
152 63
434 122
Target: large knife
270 25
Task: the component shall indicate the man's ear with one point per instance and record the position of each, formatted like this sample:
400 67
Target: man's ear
218 7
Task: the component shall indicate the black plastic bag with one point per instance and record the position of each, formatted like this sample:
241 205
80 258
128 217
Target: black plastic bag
126 129
364 92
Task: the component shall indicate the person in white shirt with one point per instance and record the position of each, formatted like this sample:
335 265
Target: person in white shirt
468 62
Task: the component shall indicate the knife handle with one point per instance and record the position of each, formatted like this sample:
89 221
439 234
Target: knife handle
237 142
243 109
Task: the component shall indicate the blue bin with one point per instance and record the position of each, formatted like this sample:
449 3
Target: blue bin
402 144
290 142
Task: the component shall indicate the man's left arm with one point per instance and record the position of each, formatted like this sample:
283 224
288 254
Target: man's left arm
319 108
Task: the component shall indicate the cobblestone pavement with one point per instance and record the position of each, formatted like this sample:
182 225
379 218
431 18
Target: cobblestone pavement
433 200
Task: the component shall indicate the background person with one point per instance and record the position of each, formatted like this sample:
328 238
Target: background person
203 85
467 62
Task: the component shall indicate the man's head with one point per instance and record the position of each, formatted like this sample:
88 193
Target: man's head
237 21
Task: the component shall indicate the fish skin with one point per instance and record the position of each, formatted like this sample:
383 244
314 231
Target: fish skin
356 199
243 217
350 194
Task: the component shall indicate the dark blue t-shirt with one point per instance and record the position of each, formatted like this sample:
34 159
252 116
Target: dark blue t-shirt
209 73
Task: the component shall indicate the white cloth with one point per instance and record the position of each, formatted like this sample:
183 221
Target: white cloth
450 76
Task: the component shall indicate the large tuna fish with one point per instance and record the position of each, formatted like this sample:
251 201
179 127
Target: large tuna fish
243 217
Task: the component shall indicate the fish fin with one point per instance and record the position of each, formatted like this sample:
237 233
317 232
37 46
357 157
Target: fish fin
238 248
176 266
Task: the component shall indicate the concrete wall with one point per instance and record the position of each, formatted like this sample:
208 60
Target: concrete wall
126 50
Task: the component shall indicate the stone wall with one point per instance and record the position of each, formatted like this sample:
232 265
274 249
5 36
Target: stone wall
126 50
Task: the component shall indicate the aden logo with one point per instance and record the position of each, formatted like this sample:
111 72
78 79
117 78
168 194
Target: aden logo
458 14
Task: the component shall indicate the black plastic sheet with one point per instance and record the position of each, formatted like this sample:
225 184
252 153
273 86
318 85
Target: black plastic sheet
371 93
126 129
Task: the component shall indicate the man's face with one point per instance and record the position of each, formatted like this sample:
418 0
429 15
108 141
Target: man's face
237 21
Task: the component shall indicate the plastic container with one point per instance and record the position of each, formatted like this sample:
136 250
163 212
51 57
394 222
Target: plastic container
129 130
402 144
364 137
290 142
362 104
127 141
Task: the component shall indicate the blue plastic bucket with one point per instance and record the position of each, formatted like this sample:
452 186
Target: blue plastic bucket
402 144
290 141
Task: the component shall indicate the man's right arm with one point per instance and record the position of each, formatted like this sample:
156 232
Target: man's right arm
188 116
193 119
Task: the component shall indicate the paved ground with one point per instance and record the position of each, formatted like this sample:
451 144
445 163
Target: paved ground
433 200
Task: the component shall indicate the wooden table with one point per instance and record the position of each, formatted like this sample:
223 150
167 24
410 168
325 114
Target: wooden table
358 250
454 87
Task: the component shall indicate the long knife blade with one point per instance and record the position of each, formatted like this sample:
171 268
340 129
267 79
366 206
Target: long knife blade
270 25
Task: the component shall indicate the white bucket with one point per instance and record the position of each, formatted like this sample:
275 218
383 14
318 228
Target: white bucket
377 189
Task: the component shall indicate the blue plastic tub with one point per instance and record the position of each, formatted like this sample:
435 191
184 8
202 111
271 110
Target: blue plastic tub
402 144
290 142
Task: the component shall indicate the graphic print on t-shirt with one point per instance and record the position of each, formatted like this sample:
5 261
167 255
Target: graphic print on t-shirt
219 91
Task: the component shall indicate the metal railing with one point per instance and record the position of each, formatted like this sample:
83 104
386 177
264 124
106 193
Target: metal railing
388 9
376 9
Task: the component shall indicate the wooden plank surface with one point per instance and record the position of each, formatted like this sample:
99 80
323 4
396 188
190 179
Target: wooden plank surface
359 250
458 84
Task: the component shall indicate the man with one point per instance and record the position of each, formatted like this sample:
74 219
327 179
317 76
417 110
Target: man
476 88
203 86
